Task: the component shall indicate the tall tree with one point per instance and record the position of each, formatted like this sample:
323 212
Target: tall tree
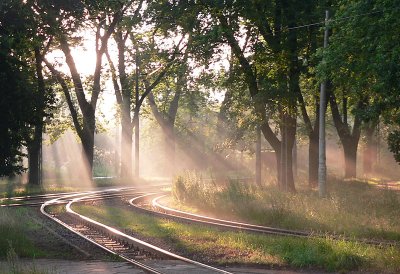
362 61
22 41
65 20
175 86
149 71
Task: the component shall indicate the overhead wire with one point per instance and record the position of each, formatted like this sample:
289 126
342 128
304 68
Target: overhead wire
330 20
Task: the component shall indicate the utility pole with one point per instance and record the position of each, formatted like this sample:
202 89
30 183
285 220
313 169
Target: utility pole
117 141
322 112
258 156
136 115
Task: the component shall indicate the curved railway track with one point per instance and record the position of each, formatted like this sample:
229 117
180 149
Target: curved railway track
166 212
149 258
118 243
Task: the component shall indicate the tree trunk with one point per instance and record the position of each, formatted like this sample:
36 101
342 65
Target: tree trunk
34 145
258 157
169 148
87 139
88 153
350 158
278 157
349 138
126 143
370 153
137 139
313 152
288 180
34 163
285 172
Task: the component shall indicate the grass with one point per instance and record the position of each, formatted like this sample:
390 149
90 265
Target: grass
212 245
353 208
14 228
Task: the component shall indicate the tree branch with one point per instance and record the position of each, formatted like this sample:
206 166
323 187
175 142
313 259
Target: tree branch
154 109
342 129
76 79
114 78
250 79
56 74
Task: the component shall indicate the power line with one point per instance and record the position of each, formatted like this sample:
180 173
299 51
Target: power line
330 20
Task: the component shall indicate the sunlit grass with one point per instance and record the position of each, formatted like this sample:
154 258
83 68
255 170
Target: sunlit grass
353 208
220 247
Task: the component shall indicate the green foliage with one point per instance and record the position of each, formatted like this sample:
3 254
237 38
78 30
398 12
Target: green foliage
23 104
15 111
362 59
394 144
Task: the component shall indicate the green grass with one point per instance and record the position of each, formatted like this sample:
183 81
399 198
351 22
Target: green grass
233 247
353 208
14 228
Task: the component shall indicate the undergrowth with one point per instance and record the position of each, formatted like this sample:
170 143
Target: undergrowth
353 208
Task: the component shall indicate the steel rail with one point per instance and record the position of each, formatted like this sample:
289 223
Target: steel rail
43 197
137 242
250 227
57 201
211 221
93 198
40 199
166 212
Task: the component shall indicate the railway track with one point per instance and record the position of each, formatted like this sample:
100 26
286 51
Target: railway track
166 212
147 257
38 200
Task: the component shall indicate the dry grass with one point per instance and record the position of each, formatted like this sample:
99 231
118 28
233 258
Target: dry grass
354 208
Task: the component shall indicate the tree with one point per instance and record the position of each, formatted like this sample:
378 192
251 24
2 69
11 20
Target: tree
362 61
149 69
15 111
65 19
174 87
20 43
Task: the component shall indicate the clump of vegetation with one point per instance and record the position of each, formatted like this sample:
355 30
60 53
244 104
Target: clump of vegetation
191 185
353 208
223 247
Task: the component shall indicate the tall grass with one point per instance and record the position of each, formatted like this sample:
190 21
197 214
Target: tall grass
353 208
